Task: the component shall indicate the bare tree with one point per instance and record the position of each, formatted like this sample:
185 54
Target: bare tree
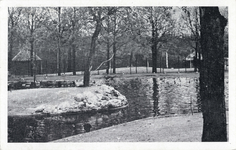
154 22
98 14
191 20
31 26
13 21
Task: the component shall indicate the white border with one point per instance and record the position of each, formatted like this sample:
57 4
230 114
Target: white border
140 145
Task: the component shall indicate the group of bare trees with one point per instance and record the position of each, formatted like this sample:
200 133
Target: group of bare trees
62 30
62 33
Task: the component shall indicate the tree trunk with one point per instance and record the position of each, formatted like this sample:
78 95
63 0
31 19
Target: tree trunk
91 53
69 60
108 45
31 58
160 62
73 59
10 51
108 56
212 74
73 45
154 50
114 57
130 62
196 58
59 58
89 61
197 40
199 55
32 47
178 64
59 43
147 65
155 97
114 45
46 68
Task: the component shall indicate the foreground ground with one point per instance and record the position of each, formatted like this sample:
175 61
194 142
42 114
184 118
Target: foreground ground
184 128
187 128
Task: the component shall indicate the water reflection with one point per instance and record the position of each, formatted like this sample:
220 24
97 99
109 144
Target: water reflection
155 97
147 97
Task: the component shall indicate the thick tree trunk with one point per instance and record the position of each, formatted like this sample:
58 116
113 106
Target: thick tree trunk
212 75
154 50
89 61
154 59
91 53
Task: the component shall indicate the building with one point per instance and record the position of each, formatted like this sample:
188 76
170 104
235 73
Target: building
21 63
189 59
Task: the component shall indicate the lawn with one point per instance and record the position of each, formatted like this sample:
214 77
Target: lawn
22 102
120 72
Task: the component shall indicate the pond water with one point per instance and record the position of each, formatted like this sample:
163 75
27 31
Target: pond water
147 97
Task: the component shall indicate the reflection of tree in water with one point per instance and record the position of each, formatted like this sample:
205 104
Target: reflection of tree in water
199 103
155 97
135 91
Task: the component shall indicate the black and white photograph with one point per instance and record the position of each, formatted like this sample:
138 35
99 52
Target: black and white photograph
110 75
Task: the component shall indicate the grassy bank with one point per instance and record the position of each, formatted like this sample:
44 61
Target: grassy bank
22 102
184 128
187 128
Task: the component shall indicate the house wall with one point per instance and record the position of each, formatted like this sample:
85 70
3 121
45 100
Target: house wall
23 68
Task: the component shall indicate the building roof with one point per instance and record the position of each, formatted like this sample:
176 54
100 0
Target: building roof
24 55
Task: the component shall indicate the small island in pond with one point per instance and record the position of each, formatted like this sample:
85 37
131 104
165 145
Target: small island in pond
65 100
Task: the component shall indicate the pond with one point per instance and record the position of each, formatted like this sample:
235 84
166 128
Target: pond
147 97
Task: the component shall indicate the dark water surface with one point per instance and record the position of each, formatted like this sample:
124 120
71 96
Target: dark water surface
146 96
